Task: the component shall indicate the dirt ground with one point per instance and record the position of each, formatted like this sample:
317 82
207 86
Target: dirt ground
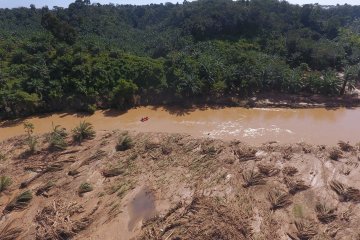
172 186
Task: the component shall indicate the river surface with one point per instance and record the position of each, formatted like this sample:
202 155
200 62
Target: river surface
318 126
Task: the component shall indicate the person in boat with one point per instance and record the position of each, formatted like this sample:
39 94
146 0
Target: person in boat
144 119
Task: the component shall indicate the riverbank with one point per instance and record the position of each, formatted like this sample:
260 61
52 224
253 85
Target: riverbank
196 188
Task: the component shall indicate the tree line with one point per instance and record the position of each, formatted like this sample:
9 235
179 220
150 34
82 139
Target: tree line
89 56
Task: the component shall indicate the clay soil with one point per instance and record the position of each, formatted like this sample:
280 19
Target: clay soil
173 186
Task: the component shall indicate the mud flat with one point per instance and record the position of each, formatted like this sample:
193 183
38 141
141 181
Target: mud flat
175 186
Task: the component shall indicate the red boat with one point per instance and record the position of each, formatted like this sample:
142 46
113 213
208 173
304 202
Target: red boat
144 119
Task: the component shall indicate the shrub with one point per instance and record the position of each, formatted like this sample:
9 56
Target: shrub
113 172
278 199
84 188
252 178
295 185
335 154
2 157
346 193
290 171
20 202
5 182
57 138
124 143
345 146
305 229
31 140
83 132
324 213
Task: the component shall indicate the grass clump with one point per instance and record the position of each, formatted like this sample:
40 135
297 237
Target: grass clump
345 193
84 188
324 213
10 233
83 131
45 188
305 229
252 178
335 154
290 171
278 199
268 170
2 156
113 172
57 138
20 202
345 146
5 183
295 185
124 143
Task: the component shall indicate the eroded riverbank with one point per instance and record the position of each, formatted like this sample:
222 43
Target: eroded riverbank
230 190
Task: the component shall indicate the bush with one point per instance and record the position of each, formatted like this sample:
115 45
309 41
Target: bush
335 154
84 188
5 182
57 138
124 143
20 202
31 140
83 132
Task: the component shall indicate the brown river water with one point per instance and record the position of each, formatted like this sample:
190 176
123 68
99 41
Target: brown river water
317 126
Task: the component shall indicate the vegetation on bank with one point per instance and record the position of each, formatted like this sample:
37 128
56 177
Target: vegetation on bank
90 55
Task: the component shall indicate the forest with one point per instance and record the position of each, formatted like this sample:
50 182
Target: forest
90 56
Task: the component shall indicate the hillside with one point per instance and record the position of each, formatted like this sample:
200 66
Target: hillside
163 186
90 56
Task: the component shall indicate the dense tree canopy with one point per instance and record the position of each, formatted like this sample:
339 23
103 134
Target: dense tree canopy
91 55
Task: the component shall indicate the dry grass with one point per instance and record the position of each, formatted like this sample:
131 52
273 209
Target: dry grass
345 193
9 232
290 171
113 172
295 185
54 221
324 213
245 153
20 202
268 170
45 188
305 229
203 218
279 199
252 178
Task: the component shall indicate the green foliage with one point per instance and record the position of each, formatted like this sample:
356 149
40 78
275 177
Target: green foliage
5 182
84 188
30 140
20 202
124 143
57 138
89 56
83 132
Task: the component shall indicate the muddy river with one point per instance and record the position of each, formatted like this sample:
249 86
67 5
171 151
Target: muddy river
318 126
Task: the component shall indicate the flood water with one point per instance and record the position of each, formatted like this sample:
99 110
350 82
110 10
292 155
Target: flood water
318 126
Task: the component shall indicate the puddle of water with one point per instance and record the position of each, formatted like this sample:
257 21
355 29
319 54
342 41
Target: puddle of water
142 207
316 126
